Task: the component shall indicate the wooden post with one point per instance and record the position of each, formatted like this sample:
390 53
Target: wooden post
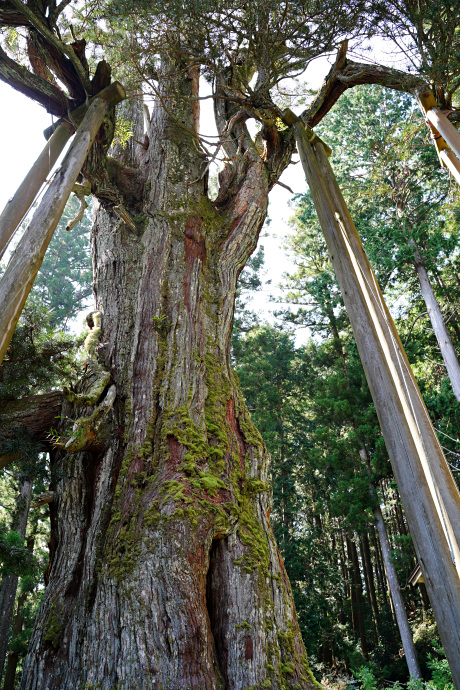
440 125
19 276
446 128
427 488
58 136
451 162
17 207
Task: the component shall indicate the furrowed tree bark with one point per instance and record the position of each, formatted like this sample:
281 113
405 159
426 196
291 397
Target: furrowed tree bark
10 582
164 570
428 491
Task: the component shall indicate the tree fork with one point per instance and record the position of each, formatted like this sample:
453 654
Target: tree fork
428 491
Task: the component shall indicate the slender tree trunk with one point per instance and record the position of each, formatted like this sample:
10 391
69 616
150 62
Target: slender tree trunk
13 656
10 582
437 321
428 491
357 596
396 597
369 574
165 572
379 566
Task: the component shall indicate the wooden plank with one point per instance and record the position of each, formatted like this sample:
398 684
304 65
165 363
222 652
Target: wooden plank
428 490
446 128
58 136
19 276
113 94
17 207
451 162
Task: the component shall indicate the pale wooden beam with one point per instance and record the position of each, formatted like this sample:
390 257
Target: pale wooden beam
17 207
428 491
19 276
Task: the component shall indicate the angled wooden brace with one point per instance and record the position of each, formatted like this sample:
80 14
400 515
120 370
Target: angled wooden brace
445 136
57 135
428 491
19 276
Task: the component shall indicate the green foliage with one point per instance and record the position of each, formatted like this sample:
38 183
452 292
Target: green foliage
64 281
14 556
39 357
123 132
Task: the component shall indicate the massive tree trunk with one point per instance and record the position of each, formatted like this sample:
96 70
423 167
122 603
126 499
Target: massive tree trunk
164 570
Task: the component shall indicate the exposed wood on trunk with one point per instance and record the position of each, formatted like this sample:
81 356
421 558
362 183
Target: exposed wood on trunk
432 506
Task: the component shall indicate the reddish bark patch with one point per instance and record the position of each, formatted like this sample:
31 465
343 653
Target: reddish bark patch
195 248
236 431
248 648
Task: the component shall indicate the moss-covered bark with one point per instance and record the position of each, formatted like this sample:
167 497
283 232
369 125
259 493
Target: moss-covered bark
165 572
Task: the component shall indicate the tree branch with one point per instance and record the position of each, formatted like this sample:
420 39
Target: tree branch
35 414
38 89
61 47
344 74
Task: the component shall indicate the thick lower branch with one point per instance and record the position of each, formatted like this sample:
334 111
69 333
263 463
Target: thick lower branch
345 73
35 414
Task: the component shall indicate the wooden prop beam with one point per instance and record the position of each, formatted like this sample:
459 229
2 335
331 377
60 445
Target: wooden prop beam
451 162
445 136
428 491
58 136
28 256
113 94
17 207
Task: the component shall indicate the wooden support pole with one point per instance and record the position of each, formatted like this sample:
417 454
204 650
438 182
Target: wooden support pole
19 276
428 491
113 94
451 162
17 207
58 136
446 128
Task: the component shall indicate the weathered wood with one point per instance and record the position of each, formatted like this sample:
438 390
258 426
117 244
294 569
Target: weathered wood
33 86
28 256
17 207
428 491
451 162
112 94
446 128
